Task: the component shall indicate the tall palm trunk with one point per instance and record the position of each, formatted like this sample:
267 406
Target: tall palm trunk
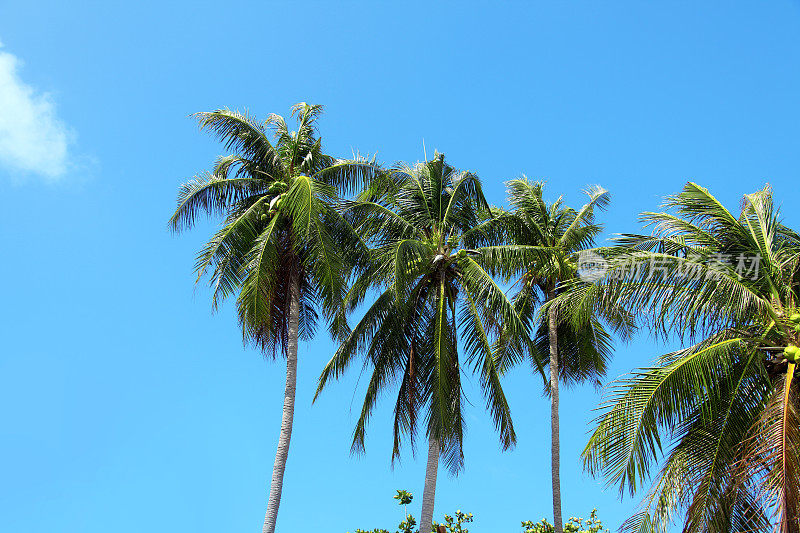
288 410
429 494
555 442
789 521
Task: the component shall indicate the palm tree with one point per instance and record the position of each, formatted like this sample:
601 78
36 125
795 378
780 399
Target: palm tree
575 350
282 248
724 407
431 291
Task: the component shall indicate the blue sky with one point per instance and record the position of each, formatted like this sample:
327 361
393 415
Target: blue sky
128 406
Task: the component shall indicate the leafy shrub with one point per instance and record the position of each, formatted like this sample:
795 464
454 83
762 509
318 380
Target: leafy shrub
455 523
574 525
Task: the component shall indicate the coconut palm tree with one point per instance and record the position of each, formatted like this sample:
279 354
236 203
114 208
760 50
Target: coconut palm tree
283 249
432 291
575 350
712 427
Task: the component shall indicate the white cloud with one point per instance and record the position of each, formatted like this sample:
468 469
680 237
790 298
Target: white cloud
33 140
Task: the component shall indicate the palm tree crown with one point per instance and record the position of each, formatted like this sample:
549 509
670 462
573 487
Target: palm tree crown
559 234
280 223
724 406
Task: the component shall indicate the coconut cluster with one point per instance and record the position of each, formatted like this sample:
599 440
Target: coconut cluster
277 189
792 352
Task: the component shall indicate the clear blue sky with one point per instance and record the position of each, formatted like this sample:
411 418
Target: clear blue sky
126 406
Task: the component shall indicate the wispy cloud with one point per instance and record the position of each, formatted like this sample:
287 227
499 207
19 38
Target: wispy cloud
33 140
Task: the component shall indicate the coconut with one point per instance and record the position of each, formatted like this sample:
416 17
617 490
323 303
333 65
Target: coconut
795 317
277 186
462 254
791 353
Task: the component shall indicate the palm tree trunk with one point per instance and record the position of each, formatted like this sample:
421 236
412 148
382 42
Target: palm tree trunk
788 511
555 443
429 494
288 410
